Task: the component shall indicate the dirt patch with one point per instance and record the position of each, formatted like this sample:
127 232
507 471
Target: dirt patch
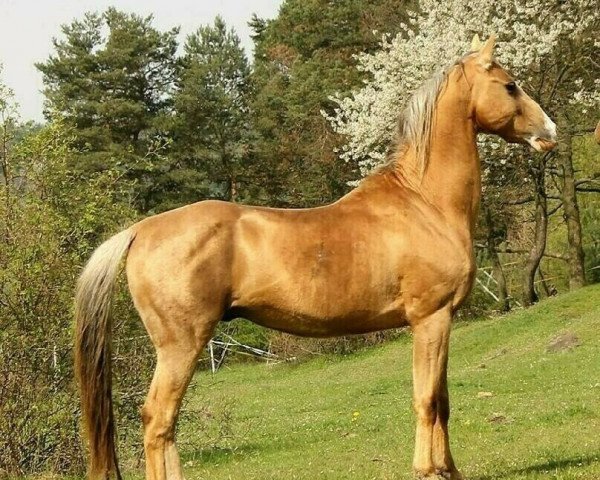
564 342
484 394
499 418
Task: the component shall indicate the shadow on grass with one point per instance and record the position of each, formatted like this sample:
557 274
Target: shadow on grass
546 467
218 455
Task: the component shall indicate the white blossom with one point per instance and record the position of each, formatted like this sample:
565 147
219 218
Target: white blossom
527 35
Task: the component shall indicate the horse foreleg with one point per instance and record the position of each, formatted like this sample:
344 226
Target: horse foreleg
442 458
430 354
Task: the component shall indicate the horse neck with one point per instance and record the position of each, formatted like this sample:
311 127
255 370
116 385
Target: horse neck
452 178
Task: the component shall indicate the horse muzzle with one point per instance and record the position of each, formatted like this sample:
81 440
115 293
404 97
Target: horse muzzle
542 144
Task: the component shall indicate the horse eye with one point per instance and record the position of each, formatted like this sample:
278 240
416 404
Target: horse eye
511 87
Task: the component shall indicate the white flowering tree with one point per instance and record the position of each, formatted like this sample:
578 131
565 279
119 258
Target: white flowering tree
528 33
550 46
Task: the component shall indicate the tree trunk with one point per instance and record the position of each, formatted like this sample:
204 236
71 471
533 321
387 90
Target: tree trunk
229 172
543 282
233 190
539 241
570 207
503 301
6 177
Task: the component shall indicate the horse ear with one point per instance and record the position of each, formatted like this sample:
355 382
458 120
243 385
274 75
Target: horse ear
475 43
486 53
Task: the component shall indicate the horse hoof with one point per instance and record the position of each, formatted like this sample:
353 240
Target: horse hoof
429 476
450 475
439 475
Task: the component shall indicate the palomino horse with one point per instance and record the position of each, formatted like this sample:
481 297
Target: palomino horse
397 250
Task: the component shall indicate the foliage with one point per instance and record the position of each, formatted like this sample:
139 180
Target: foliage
50 220
133 123
211 131
437 36
301 58
587 156
111 79
548 46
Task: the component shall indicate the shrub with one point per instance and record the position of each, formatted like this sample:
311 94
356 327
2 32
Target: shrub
50 220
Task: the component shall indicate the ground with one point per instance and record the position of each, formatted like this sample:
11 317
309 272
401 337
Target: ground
522 408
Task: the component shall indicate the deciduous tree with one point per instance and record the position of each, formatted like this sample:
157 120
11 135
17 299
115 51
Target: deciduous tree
537 41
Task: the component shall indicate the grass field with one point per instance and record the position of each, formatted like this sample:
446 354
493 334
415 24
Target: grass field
351 418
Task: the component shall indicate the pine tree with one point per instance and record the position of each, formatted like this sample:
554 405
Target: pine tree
302 58
211 128
111 78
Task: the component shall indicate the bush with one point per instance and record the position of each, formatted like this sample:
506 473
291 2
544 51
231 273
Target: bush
50 220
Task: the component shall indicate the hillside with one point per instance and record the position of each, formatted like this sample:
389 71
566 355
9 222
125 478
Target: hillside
351 418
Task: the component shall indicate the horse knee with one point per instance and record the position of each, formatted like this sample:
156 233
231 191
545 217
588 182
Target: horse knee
426 408
158 427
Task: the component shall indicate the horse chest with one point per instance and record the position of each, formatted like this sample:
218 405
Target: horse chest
433 281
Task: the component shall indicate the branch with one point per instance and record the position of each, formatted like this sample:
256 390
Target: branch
589 190
583 132
520 201
556 256
557 83
595 177
555 209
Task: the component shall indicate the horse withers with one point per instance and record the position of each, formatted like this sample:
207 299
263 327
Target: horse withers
395 251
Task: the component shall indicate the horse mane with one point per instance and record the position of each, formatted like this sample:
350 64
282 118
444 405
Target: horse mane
415 123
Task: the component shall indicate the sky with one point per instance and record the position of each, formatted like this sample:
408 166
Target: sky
28 26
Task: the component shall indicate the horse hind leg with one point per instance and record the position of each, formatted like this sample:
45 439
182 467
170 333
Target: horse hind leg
177 353
159 415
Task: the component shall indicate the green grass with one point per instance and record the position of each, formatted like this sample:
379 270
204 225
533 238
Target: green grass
351 418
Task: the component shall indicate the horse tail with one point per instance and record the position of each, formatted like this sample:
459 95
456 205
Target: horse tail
93 300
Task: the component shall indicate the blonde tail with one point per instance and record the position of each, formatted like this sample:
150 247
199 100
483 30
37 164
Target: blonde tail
93 300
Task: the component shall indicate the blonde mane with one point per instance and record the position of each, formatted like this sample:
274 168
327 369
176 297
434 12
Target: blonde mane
415 123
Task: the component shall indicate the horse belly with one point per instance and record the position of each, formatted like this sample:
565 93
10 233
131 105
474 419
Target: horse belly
306 314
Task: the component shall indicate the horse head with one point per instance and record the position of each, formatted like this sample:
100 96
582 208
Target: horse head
500 106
